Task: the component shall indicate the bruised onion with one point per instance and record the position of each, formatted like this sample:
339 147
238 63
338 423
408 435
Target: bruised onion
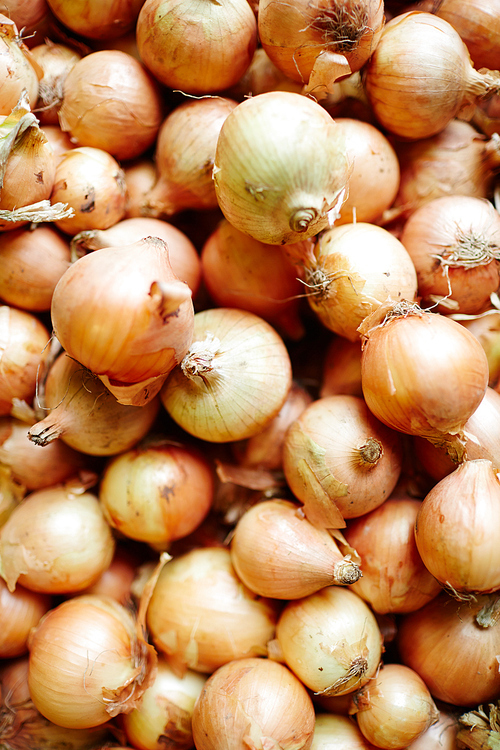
143 312
268 178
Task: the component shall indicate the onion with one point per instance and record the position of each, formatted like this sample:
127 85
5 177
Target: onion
420 76
31 264
86 416
478 26
341 372
165 712
133 283
55 60
140 176
356 268
88 662
441 735
241 272
279 554
18 71
201 615
396 708
441 641
253 703
59 141
92 183
340 461
11 494
454 243
55 541
182 254
330 640
234 379
423 374
262 76
118 579
110 101
197 48
269 181
157 492
184 157
23 339
340 732
97 20
26 13
486 329
316 44
452 529
21 610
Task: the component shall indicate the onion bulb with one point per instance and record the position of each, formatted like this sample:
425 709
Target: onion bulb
486 328
420 76
55 60
341 371
339 732
478 25
143 312
268 178
18 70
21 610
233 380
339 460
56 541
330 640
97 20
88 662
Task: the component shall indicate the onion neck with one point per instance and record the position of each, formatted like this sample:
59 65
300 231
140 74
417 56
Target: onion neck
370 453
479 84
199 361
471 249
346 572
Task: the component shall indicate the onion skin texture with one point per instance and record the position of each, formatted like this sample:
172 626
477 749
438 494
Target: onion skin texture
110 101
197 48
21 610
253 703
442 640
55 60
340 730
17 72
96 20
478 25
268 179
453 529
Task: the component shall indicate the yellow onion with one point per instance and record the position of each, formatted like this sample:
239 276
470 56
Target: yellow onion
477 24
354 269
23 339
91 182
97 20
394 577
281 167
395 708
88 662
18 70
110 101
55 60
157 492
202 616
233 380
255 703
143 312
453 528
197 48
341 371
140 176
21 610
86 416
184 157
56 541
339 460
486 329
11 494
335 730
279 554
420 76
330 640
442 735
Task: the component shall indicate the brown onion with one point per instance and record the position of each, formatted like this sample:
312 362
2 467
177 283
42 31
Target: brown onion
18 71
253 703
486 328
110 101
97 20
197 48
477 24
20 611
202 616
55 60
339 460
86 416
454 243
133 283
441 735
340 732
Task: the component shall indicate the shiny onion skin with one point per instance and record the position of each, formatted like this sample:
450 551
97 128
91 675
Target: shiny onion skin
17 70
55 60
21 610
195 47
444 643
421 375
478 24
95 19
253 703
268 178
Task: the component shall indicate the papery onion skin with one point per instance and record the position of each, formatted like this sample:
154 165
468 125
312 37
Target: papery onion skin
197 48
268 179
97 20
477 24
20 611
253 702
244 377
110 101
453 528
442 642
87 663
16 72
56 60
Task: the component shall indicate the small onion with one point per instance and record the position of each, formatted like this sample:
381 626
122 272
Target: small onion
88 662
55 60
97 20
234 379
254 703
339 732
20 610
330 640
202 616
269 181
395 708
55 541
341 372
111 102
